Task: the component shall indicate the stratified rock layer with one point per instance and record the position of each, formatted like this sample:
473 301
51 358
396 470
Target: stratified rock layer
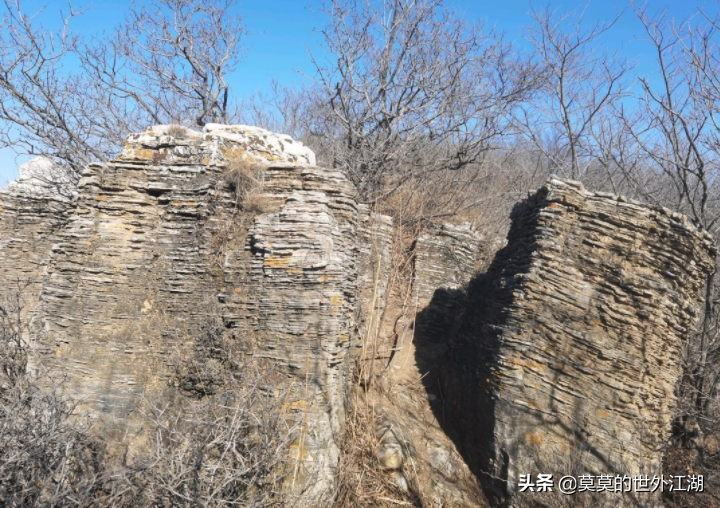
445 257
570 354
160 245
33 209
295 295
375 245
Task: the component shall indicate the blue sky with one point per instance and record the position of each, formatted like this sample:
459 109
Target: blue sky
284 30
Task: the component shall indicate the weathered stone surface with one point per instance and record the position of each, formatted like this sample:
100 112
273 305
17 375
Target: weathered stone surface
374 267
297 298
157 246
392 448
216 142
32 211
569 352
445 257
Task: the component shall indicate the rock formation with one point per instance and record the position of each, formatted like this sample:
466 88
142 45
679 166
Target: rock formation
375 245
568 357
445 258
156 245
561 359
33 209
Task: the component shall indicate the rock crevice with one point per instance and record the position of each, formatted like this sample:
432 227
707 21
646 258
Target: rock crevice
563 358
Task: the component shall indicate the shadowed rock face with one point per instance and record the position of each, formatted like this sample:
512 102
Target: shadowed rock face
568 356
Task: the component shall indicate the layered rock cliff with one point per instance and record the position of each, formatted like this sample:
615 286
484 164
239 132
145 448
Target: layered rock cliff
562 358
33 210
568 355
159 243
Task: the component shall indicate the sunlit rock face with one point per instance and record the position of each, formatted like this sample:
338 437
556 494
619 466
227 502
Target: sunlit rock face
444 258
569 352
160 243
33 209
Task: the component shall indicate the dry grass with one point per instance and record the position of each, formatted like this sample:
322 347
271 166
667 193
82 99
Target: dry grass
245 179
177 131
362 482
257 203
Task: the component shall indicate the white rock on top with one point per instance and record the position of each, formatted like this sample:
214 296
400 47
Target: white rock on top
261 144
42 177
280 144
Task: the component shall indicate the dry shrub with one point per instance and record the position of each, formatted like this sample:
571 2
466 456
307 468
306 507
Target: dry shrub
241 175
177 131
230 449
227 445
45 459
210 364
683 461
482 194
13 350
257 203
245 179
227 450
362 482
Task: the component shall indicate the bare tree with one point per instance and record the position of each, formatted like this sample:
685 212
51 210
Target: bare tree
41 108
673 124
167 63
171 59
579 87
408 88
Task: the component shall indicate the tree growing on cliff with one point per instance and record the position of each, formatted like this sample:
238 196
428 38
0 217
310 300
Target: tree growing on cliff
76 99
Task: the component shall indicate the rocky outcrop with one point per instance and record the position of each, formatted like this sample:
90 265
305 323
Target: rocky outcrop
216 142
296 295
569 353
32 210
159 244
561 359
445 256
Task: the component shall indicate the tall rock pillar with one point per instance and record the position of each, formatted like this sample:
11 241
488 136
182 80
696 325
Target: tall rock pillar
570 352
